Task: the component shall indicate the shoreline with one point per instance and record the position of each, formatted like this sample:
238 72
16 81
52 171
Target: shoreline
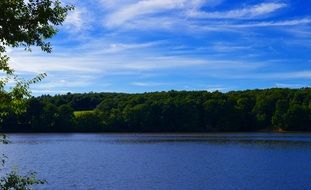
166 133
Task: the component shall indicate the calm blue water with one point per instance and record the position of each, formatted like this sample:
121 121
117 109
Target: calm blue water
164 162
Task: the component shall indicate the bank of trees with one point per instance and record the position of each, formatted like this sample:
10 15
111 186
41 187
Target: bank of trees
174 111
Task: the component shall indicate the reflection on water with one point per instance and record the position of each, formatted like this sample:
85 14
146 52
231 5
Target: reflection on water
165 161
251 139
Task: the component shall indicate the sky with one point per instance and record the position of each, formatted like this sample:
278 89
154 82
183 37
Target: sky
158 45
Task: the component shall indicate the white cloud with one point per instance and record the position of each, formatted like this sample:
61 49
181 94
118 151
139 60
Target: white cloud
160 23
115 4
225 47
302 32
293 75
242 28
119 47
77 20
145 84
38 92
147 15
304 74
74 19
140 8
50 64
65 67
286 85
131 11
294 22
120 50
256 11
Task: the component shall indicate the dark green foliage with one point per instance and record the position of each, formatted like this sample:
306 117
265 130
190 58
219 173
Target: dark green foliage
14 181
297 118
17 182
279 116
41 117
88 121
28 24
24 23
173 111
65 119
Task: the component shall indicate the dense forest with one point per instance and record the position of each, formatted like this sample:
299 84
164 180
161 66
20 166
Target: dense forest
173 111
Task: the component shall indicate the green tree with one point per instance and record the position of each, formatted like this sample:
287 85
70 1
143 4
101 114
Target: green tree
279 116
26 24
87 121
34 114
50 116
297 118
65 118
244 106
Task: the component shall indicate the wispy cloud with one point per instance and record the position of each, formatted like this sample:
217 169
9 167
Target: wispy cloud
306 74
302 74
123 45
140 8
225 47
170 14
285 85
263 9
131 59
134 11
77 20
294 22
145 84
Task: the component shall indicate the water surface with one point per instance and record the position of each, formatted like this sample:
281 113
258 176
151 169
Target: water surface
164 162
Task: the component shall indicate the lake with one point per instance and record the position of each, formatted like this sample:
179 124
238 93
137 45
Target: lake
164 162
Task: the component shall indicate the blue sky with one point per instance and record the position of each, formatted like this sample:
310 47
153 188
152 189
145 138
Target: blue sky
155 45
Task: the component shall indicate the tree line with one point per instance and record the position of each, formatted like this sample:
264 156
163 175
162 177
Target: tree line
173 111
